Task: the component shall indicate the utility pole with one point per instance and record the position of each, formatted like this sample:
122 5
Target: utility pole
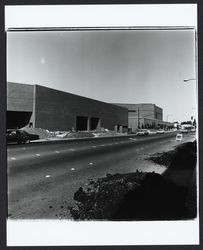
138 112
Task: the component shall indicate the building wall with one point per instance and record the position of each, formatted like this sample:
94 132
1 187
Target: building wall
148 113
57 110
19 97
147 110
158 113
19 104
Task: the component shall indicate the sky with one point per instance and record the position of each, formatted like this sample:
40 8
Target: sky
116 66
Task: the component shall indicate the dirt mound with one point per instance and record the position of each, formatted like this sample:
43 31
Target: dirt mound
101 198
82 134
43 133
155 199
183 157
142 196
164 158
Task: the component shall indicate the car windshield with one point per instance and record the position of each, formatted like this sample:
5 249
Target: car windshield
23 132
9 132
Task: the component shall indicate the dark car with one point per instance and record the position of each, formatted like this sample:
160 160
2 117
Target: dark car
142 132
19 136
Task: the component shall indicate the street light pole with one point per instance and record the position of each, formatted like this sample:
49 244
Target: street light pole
138 113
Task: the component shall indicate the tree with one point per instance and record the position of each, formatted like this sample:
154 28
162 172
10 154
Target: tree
194 123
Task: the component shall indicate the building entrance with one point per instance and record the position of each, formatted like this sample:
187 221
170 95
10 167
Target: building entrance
81 123
95 123
17 119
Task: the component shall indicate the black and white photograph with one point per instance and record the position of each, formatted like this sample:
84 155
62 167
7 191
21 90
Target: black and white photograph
101 122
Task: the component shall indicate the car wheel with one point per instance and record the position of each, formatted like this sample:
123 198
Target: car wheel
27 141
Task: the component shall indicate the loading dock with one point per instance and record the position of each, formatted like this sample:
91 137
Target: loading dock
95 123
81 123
17 119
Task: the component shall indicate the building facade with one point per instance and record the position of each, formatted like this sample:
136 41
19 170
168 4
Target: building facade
51 109
145 115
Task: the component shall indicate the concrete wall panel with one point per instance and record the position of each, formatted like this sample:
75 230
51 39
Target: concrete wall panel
57 110
19 97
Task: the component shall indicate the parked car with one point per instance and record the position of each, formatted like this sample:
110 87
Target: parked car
179 137
160 131
142 132
184 131
19 136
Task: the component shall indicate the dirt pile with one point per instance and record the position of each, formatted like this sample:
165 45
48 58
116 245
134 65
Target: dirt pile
82 134
185 156
182 157
143 196
43 133
155 199
164 158
99 200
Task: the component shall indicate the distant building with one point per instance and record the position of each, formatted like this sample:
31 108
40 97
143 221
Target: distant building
42 107
145 115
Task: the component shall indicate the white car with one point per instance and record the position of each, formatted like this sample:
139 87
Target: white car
160 131
179 137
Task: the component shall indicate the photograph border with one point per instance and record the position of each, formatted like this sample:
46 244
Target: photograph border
3 154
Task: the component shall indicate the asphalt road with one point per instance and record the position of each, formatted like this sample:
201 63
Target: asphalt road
42 178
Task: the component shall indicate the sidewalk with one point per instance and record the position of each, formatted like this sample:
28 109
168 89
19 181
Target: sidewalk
50 140
55 139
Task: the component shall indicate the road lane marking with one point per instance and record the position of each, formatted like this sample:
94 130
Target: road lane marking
71 149
94 146
90 163
57 152
13 158
37 154
47 176
72 169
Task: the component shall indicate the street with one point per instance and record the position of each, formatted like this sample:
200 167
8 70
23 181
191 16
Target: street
42 178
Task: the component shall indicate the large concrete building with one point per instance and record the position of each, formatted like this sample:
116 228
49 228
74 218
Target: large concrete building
145 115
51 109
